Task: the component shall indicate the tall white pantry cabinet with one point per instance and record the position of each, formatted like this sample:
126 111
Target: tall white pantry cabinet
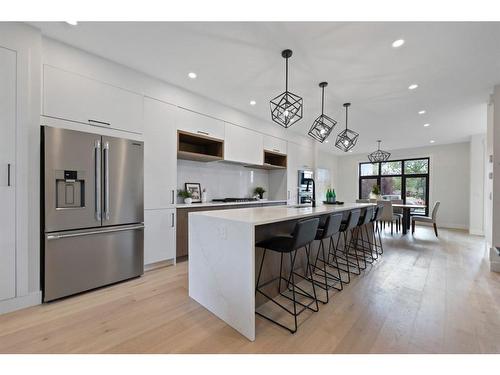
7 173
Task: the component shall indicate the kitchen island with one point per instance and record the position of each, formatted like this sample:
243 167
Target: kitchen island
223 256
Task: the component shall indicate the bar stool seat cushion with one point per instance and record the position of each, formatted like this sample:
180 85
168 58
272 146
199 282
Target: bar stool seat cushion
282 244
426 219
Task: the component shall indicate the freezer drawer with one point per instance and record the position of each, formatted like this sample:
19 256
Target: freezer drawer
76 261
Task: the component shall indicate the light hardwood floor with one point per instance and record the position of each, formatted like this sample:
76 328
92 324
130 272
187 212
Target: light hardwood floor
425 295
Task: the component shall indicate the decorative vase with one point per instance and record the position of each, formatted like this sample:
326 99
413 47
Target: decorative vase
188 200
261 195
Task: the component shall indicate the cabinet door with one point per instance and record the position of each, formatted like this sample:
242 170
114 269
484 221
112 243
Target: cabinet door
199 124
73 97
159 235
7 175
160 154
243 146
275 144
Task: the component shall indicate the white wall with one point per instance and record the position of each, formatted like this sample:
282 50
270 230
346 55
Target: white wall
222 180
449 179
477 167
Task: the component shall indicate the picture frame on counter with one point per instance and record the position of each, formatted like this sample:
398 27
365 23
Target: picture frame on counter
195 189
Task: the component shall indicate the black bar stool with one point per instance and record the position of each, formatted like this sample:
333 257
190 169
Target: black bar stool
346 262
363 242
376 229
326 232
301 238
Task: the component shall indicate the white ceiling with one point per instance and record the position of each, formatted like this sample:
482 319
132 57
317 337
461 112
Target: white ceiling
455 65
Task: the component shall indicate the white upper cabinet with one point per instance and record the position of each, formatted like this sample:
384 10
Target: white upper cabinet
195 123
160 154
70 96
243 145
274 144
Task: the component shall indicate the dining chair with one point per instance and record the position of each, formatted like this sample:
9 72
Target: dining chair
427 219
388 214
398 211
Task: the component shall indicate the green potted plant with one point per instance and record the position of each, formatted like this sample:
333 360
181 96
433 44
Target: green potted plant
260 191
375 193
186 195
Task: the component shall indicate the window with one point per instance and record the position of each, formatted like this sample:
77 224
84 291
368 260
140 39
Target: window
406 180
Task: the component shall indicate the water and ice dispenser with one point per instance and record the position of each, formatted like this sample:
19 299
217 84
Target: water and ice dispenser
70 189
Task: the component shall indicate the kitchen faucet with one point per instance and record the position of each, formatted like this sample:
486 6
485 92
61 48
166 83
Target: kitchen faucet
309 180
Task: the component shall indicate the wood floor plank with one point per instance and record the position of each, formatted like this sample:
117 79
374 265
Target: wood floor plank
424 295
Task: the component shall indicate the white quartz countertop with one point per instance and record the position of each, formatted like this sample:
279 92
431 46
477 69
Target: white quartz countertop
212 204
274 214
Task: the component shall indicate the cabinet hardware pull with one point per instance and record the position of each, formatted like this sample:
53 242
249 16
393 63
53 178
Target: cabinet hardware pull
173 220
60 235
205 133
8 174
100 122
173 194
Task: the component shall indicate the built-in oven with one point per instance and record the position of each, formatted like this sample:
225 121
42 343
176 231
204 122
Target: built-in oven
305 192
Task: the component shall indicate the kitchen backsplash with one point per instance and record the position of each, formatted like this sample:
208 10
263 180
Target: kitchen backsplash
222 180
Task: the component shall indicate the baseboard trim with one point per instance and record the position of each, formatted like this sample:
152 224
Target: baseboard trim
476 232
17 303
160 264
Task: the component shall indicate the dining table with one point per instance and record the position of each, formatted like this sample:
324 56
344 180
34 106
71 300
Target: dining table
406 213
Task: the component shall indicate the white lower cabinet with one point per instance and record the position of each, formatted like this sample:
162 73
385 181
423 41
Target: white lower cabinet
159 235
7 174
243 145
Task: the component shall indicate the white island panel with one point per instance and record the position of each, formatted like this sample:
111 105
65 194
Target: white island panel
222 270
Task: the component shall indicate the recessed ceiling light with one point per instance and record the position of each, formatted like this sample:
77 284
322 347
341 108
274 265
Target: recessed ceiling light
350 150
426 125
398 43
413 86
422 112
72 23
326 141
432 141
253 102
192 75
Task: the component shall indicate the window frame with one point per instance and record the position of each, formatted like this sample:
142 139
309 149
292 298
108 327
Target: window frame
403 176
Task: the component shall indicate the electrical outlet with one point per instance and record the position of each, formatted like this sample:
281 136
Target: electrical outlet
222 233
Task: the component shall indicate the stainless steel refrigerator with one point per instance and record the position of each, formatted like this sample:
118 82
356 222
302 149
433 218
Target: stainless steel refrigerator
92 211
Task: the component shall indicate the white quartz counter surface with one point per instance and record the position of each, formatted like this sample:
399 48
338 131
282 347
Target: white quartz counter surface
213 204
274 214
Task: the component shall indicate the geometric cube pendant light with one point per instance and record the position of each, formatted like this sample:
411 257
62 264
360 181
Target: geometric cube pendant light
286 108
379 155
323 125
347 138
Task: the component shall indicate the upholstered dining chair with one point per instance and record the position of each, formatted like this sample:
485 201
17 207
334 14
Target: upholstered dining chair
388 214
427 219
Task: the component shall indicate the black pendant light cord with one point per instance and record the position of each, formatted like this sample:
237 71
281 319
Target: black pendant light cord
322 99
346 110
286 74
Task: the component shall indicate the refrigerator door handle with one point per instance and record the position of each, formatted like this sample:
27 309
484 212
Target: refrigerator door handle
106 180
97 187
60 235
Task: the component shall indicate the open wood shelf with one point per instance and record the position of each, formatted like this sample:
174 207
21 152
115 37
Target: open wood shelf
198 147
274 160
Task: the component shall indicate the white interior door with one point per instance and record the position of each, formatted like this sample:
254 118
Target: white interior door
7 173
